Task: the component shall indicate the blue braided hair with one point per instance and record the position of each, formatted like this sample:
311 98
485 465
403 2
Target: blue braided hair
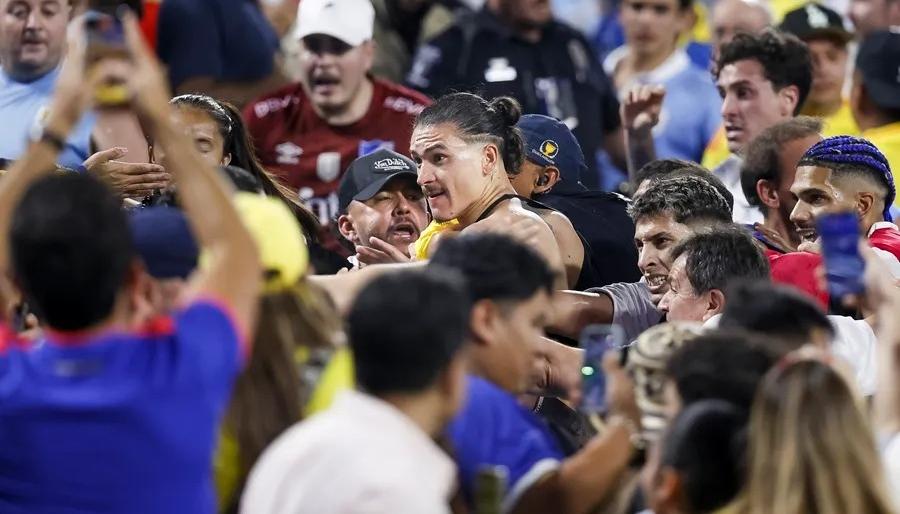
856 153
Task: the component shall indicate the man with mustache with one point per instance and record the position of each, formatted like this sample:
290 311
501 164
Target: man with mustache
382 207
308 133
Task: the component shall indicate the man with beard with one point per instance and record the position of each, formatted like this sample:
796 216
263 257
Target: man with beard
515 48
382 207
846 173
308 133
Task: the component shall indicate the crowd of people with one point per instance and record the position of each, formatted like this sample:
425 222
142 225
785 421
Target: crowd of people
347 256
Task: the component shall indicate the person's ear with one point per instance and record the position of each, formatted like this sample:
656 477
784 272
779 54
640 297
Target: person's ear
347 229
669 489
715 303
226 159
546 180
368 52
686 19
490 159
767 193
865 202
789 97
484 322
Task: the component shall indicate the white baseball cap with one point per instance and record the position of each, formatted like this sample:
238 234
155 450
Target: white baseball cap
351 21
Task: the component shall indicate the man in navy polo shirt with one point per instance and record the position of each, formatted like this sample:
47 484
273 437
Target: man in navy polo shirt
95 417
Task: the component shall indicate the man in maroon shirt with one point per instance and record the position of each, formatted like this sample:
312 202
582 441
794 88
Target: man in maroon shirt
309 132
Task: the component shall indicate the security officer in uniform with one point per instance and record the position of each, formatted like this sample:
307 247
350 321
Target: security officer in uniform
516 48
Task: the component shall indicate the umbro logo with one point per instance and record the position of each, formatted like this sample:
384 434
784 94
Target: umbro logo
288 153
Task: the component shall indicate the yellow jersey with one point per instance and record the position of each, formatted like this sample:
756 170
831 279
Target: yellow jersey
716 150
887 139
841 123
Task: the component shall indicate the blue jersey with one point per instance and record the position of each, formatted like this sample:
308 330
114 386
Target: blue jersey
225 40
492 429
119 423
691 111
24 104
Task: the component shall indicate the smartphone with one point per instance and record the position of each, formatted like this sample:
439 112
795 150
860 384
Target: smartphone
844 266
596 341
105 40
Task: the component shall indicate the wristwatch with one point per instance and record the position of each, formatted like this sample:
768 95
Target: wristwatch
41 134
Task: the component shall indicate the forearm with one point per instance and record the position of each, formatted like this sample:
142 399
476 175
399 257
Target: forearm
39 160
640 149
574 310
344 287
582 481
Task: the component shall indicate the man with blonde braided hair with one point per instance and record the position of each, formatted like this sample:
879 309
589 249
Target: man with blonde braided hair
848 173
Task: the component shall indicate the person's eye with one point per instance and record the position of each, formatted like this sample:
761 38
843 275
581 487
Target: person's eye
438 158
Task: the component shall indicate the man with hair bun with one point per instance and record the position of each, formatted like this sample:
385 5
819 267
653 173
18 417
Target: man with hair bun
463 146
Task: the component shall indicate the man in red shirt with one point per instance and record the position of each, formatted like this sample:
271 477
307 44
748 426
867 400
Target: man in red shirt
846 172
309 132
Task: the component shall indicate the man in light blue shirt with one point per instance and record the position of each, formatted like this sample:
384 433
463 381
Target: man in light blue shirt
691 108
32 44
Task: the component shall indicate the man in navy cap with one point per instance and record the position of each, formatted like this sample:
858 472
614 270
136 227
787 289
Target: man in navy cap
382 209
551 174
164 241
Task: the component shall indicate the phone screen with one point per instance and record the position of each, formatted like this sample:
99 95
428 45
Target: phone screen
596 340
844 266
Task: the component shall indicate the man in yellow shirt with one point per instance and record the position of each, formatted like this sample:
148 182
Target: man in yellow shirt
875 97
822 29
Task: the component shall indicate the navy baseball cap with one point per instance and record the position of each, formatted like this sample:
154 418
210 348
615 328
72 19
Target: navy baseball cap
368 175
878 61
163 239
813 21
549 142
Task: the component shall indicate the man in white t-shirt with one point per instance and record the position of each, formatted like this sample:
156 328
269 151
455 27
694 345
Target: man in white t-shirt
374 451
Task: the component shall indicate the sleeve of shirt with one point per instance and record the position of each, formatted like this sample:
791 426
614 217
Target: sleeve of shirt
433 69
494 430
855 342
189 40
632 308
212 343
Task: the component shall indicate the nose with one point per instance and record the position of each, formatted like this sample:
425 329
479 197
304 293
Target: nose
33 20
402 206
664 302
425 175
729 106
646 257
800 214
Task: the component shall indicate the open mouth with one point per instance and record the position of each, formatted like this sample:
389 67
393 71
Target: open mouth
404 231
656 282
733 132
325 83
808 235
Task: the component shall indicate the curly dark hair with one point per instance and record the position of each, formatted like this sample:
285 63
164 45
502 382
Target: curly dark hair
687 198
785 59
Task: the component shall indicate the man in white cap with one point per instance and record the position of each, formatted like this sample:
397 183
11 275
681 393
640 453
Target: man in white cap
309 132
